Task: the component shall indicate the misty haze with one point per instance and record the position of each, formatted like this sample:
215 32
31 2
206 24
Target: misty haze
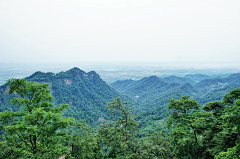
120 79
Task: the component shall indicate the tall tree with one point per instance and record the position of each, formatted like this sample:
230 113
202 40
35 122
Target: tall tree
38 129
212 131
184 135
231 124
118 134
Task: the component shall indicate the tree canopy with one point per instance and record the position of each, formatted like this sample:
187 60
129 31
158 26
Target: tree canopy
38 128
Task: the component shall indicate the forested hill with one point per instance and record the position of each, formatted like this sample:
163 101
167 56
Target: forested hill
86 93
121 86
151 92
140 87
153 87
175 79
219 82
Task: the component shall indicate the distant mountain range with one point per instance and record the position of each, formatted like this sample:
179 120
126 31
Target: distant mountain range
219 82
152 92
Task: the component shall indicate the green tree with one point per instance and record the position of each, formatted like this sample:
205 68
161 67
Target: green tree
231 123
38 129
212 131
85 143
184 135
159 145
7 151
215 137
118 134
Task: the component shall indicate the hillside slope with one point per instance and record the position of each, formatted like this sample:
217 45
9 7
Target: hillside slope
219 82
175 79
86 93
151 92
122 86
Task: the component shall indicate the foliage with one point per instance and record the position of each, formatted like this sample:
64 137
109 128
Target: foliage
160 145
155 146
8 150
231 123
85 143
118 134
184 134
232 153
212 131
38 129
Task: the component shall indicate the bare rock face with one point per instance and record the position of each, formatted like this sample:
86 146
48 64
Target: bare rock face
101 119
67 81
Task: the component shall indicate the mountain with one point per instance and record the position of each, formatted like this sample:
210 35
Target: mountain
156 110
121 86
151 92
144 86
175 79
188 89
218 82
86 93
235 76
197 77
152 95
215 94
140 87
155 119
171 91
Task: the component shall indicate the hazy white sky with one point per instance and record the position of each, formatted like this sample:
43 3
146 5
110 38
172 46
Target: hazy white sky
120 30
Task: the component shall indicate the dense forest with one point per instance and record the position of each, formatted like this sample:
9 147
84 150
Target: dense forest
74 114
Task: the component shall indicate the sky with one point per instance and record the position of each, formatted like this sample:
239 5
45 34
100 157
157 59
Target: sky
170 31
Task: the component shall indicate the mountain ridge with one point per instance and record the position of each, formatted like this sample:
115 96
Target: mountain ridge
175 79
86 93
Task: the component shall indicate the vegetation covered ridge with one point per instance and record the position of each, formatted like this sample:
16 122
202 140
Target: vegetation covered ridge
39 129
85 93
